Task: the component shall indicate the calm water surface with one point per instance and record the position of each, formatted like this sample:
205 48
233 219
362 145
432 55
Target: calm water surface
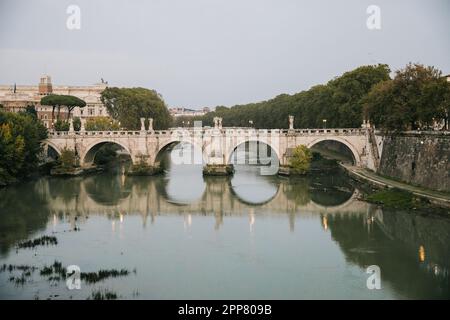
250 237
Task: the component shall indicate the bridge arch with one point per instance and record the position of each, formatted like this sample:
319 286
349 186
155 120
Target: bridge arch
345 142
174 142
235 146
50 144
50 151
88 156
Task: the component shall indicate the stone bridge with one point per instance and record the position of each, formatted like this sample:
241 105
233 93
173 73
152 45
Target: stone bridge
217 143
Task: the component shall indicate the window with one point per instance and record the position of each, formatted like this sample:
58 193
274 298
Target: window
91 111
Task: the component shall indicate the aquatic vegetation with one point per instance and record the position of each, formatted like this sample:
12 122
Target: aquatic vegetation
55 269
93 277
10 268
54 278
57 272
58 267
46 271
135 293
42 241
103 295
395 198
20 280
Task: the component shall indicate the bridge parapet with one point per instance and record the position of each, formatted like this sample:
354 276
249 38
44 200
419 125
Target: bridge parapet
211 131
217 144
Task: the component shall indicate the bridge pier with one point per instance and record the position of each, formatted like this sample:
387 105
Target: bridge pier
218 170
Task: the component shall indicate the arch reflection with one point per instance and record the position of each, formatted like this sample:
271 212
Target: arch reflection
252 188
116 185
182 182
183 189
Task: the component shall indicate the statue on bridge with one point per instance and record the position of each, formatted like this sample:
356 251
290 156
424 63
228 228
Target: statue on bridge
150 124
291 122
217 122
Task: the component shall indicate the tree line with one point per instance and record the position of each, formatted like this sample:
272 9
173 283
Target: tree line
417 97
20 145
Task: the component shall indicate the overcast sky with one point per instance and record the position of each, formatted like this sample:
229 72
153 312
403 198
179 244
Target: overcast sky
200 53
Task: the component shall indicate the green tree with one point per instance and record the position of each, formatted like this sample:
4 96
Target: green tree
76 124
61 125
415 98
380 109
31 110
128 105
340 101
101 124
20 145
444 109
300 160
58 101
350 89
67 159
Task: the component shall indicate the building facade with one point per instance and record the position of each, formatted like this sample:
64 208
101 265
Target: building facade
17 98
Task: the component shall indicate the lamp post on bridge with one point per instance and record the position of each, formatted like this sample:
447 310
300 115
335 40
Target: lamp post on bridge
71 129
324 123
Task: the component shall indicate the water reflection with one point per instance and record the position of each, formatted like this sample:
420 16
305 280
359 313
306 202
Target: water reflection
390 239
304 233
182 182
115 183
252 188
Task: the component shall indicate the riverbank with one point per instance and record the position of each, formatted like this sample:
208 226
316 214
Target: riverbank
364 175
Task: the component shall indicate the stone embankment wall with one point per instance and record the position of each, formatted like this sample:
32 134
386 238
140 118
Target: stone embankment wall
421 159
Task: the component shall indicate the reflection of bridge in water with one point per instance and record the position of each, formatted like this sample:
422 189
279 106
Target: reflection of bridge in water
148 198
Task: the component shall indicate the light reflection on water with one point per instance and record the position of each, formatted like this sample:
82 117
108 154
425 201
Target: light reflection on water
248 236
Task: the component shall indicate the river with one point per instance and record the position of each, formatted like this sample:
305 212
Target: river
183 236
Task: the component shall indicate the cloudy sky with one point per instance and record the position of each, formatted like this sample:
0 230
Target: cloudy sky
200 53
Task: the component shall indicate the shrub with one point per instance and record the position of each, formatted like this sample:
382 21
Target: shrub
300 160
67 158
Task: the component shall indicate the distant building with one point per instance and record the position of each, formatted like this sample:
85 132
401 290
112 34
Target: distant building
181 111
17 98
